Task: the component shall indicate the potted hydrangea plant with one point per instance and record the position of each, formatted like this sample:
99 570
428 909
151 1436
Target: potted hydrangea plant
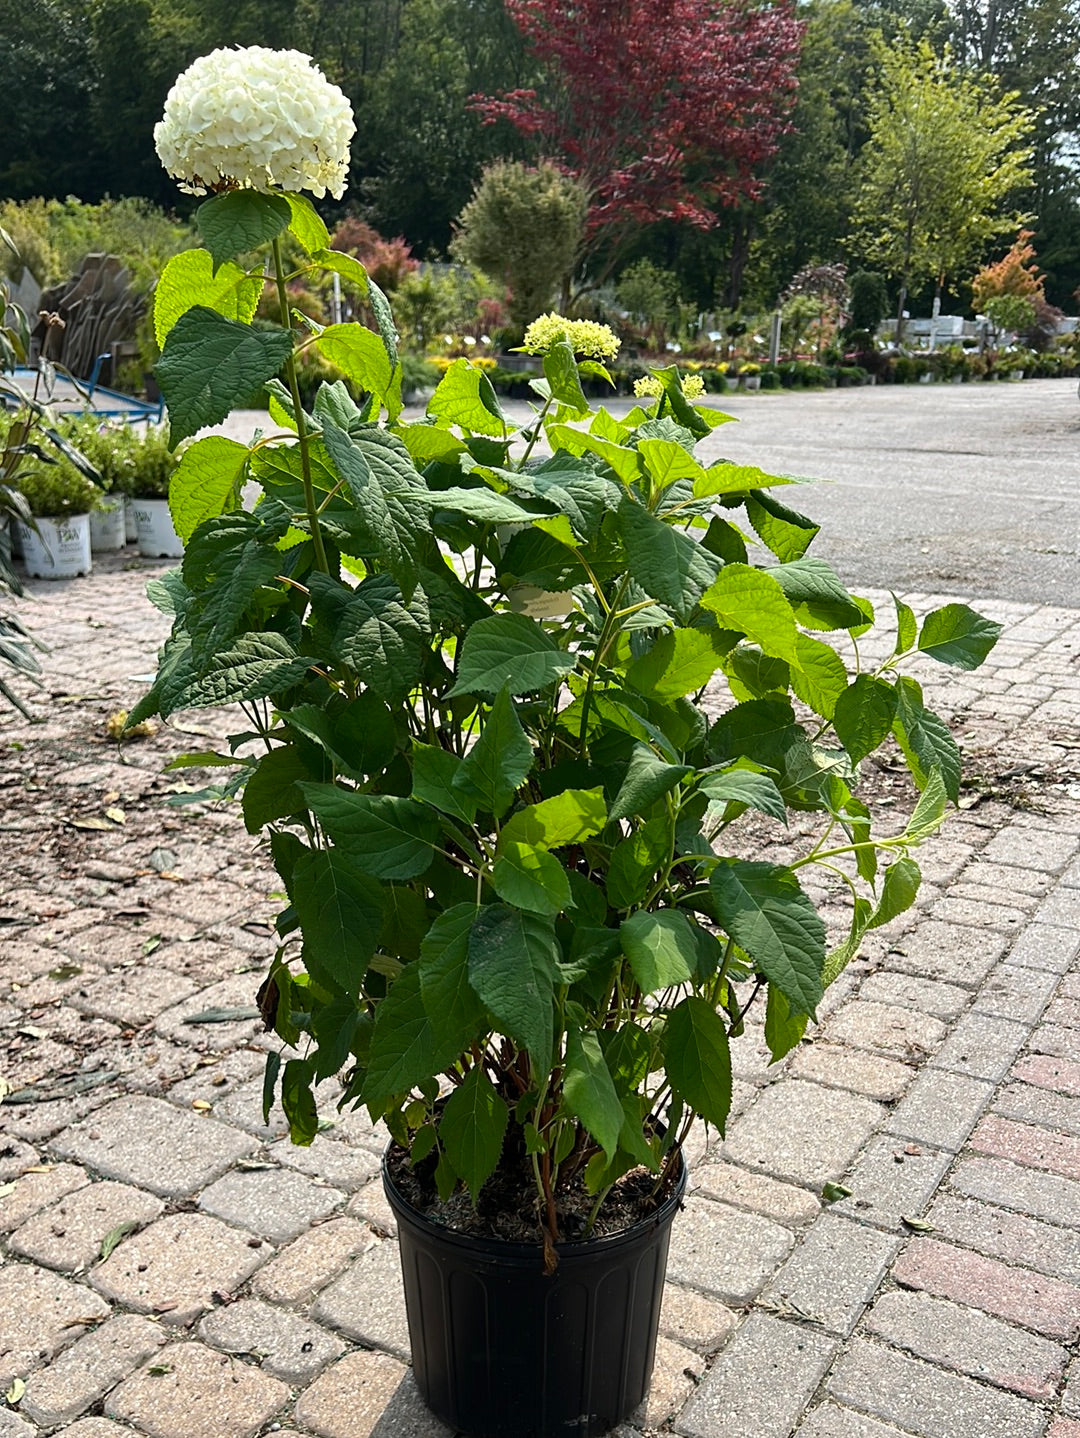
60 498
509 697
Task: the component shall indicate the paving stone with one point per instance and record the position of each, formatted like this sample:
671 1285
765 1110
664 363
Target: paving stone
297 1273
203 1395
925 1400
175 1266
854 1069
1042 1195
1064 1010
723 1251
367 1303
944 1001
275 1203
134 996
237 991
1063 1428
1025 1143
744 1189
1012 1236
941 1109
981 1046
89 1368
1007 878
1056 1040
831 1421
288 1347
981 913
341 1164
15 1159
1045 946
834 1272
367 1395
970 1342
1015 992
243 1107
676 1373
1059 907
371 1205
154 1145
886 1028
40 1314
69 1235
761 1382
35 1191
14 1427
888 1183
692 1319
803 1132
1035 1300
954 953
1028 848
97 1428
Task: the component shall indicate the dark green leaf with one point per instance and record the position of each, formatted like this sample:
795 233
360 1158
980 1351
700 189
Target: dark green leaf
925 739
509 650
634 861
667 564
512 967
899 889
370 630
588 1090
573 488
240 221
764 909
273 789
433 781
270 1076
661 948
786 532
783 1029
530 878
647 779
388 837
561 373
341 911
453 1009
298 1102
254 667
816 594
498 762
698 1061
472 1127
402 1052
957 635
744 786
906 626
210 364
863 715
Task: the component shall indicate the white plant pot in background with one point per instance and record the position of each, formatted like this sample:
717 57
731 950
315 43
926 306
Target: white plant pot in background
158 538
751 381
108 529
131 529
59 550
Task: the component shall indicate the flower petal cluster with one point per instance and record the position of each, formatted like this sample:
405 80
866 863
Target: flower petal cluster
256 119
692 385
585 337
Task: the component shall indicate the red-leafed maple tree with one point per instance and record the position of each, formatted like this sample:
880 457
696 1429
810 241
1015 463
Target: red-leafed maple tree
665 108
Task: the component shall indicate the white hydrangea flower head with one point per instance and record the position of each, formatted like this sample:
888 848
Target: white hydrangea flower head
256 119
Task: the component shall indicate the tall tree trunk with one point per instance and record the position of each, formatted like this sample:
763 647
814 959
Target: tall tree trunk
740 255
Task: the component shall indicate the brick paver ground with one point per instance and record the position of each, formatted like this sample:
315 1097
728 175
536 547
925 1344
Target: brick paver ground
171 1267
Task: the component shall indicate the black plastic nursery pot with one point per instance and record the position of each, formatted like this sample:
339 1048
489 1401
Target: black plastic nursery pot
502 1350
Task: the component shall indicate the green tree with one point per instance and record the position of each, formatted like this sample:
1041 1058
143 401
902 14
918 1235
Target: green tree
524 226
947 156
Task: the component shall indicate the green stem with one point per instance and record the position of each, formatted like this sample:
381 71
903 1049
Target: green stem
535 433
301 424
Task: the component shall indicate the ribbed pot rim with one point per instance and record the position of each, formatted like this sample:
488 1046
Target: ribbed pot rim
516 1253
